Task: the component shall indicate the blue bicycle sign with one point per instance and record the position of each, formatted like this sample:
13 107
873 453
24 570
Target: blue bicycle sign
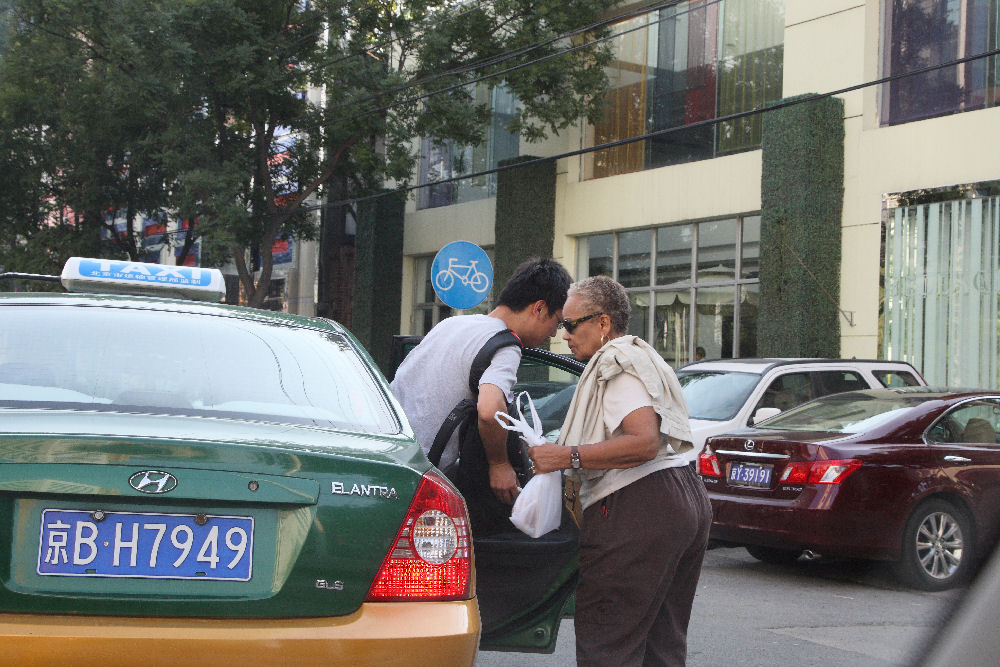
462 274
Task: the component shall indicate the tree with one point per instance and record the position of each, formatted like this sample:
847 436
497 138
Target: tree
238 115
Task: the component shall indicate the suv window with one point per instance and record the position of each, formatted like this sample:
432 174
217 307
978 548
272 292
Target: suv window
834 382
716 395
786 391
792 389
892 378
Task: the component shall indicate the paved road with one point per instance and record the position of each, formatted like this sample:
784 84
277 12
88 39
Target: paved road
809 613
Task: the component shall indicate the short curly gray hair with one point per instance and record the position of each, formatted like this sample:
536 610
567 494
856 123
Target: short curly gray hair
604 294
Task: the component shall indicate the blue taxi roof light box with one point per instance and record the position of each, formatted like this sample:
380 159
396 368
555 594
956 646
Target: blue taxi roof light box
82 274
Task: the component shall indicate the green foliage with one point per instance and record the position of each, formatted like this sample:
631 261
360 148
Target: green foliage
802 192
133 107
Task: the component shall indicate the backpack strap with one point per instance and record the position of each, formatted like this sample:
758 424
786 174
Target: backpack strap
484 357
480 363
448 427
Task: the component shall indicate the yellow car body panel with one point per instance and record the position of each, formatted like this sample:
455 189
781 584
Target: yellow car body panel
411 633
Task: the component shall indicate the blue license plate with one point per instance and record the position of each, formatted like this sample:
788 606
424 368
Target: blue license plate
75 543
755 475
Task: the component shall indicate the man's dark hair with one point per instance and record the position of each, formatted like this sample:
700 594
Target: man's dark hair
536 278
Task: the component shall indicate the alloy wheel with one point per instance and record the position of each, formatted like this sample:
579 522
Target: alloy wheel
940 545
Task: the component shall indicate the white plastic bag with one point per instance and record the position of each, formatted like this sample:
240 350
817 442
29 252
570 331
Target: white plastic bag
538 508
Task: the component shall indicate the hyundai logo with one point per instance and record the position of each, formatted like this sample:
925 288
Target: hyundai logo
153 481
748 445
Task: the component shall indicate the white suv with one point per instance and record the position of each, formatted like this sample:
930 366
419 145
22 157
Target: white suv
726 394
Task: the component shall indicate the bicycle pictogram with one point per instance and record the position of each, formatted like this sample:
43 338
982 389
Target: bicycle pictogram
468 274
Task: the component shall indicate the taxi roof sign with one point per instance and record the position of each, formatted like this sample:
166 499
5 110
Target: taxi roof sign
82 274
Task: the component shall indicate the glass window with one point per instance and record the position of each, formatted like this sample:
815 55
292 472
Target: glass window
638 323
688 63
714 321
977 422
715 395
428 310
634 257
893 379
625 102
844 414
670 337
443 159
834 382
750 247
551 390
717 250
598 254
711 314
59 357
786 391
941 296
747 320
751 47
673 254
918 34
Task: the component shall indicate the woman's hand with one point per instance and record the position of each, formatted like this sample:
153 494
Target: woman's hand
548 458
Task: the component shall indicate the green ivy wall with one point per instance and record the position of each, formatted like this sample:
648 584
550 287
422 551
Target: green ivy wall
802 193
525 216
378 275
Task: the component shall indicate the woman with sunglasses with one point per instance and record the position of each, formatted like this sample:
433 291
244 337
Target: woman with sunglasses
646 514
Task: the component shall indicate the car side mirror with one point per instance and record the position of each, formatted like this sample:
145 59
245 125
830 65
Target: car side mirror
762 414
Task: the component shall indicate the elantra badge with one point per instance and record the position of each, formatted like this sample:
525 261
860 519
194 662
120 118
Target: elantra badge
153 481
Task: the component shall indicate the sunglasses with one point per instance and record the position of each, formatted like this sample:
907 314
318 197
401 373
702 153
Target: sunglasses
571 325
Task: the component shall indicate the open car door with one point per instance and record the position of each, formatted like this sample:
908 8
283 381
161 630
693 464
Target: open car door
523 584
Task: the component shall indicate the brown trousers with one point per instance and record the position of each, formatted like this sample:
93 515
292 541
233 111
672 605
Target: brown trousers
641 550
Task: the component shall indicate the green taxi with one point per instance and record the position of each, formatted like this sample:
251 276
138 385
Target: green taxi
185 481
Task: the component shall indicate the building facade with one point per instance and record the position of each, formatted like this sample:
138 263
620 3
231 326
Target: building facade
671 205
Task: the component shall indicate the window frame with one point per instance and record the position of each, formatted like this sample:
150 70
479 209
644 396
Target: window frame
738 283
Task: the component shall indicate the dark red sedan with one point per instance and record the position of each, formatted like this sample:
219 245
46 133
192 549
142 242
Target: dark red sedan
910 475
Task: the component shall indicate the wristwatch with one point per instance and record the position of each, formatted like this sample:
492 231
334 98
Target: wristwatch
574 457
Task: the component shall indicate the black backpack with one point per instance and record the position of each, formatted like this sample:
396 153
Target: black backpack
470 473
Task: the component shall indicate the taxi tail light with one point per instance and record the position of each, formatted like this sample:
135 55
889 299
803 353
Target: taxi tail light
431 557
819 472
708 465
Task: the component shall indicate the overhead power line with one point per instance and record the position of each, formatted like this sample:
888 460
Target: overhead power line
389 42
504 57
805 99
536 61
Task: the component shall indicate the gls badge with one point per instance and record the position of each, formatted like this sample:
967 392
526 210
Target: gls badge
153 481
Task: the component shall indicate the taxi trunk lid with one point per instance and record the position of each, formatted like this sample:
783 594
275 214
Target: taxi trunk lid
222 522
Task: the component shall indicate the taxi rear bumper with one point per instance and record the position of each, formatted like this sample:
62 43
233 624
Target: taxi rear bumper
389 633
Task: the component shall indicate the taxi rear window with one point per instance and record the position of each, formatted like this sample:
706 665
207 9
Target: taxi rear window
160 362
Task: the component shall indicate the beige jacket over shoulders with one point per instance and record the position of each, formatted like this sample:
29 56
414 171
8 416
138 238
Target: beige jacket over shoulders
584 423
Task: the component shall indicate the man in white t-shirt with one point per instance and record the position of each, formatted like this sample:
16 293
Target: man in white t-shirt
434 376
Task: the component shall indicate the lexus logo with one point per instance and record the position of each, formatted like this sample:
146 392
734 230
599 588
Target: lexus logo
748 445
153 481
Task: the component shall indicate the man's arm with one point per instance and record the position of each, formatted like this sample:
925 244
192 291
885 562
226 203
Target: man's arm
503 481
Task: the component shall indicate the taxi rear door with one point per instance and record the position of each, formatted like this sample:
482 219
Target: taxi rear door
524 584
